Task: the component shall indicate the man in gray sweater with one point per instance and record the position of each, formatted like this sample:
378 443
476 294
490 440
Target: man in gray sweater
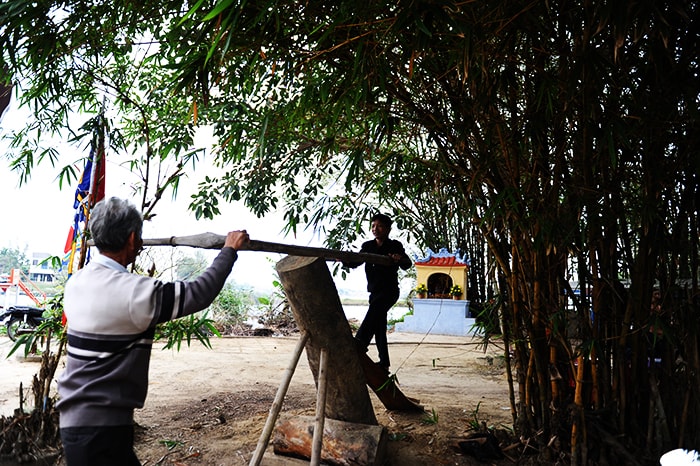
112 316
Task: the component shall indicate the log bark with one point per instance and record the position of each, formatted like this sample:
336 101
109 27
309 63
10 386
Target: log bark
318 312
270 459
384 386
344 443
215 241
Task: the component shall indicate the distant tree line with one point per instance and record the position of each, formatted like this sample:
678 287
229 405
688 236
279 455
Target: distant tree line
13 258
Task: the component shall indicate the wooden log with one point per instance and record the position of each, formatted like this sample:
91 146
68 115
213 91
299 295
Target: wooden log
318 312
384 386
344 443
215 241
270 459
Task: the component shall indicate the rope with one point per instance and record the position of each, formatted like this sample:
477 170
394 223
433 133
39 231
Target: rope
425 335
421 340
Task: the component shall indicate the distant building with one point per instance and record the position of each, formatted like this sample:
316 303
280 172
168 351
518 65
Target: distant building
40 270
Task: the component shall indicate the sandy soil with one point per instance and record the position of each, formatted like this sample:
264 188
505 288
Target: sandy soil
208 407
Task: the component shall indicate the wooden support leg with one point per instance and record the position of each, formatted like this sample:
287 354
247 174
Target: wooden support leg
277 403
320 409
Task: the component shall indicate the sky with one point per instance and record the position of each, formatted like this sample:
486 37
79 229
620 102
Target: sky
38 215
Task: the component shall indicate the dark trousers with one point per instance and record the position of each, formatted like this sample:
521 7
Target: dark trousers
374 323
99 446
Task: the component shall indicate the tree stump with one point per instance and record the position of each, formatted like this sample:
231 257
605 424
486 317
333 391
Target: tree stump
318 311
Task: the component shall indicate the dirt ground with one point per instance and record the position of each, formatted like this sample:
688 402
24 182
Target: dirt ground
208 407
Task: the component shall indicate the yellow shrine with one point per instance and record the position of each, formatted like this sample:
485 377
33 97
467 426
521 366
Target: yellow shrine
438 311
440 271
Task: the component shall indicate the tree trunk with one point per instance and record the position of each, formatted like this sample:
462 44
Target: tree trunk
318 312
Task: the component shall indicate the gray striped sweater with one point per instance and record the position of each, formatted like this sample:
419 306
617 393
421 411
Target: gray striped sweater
112 315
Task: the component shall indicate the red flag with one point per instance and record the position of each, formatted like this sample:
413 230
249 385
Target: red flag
69 240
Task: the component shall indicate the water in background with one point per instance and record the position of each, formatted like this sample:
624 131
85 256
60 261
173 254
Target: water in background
352 311
358 312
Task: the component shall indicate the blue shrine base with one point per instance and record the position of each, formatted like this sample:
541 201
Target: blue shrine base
440 317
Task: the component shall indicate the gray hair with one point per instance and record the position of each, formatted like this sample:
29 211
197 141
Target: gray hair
112 221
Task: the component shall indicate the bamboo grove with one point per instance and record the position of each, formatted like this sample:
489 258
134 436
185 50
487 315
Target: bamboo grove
563 135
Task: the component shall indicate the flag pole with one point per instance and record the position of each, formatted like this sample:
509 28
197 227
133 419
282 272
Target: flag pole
97 156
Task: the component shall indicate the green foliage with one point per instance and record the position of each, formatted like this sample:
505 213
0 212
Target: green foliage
189 267
231 307
400 319
274 310
13 258
474 422
430 418
487 321
397 436
195 326
354 326
50 328
54 262
171 444
98 60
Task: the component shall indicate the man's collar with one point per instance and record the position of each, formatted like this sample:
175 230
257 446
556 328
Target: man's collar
109 262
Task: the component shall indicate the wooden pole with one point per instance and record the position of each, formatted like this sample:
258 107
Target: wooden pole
215 241
317 443
277 403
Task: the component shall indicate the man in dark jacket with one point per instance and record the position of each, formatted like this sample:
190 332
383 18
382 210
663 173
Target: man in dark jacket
382 284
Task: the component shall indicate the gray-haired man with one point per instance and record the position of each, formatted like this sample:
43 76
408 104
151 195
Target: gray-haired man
112 315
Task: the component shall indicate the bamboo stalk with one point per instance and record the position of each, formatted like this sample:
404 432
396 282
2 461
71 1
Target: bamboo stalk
595 395
578 427
662 428
554 379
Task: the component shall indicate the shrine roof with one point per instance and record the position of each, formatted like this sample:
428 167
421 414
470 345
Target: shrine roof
443 258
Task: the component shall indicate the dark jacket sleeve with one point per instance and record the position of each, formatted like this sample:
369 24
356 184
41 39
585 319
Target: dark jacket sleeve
405 262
